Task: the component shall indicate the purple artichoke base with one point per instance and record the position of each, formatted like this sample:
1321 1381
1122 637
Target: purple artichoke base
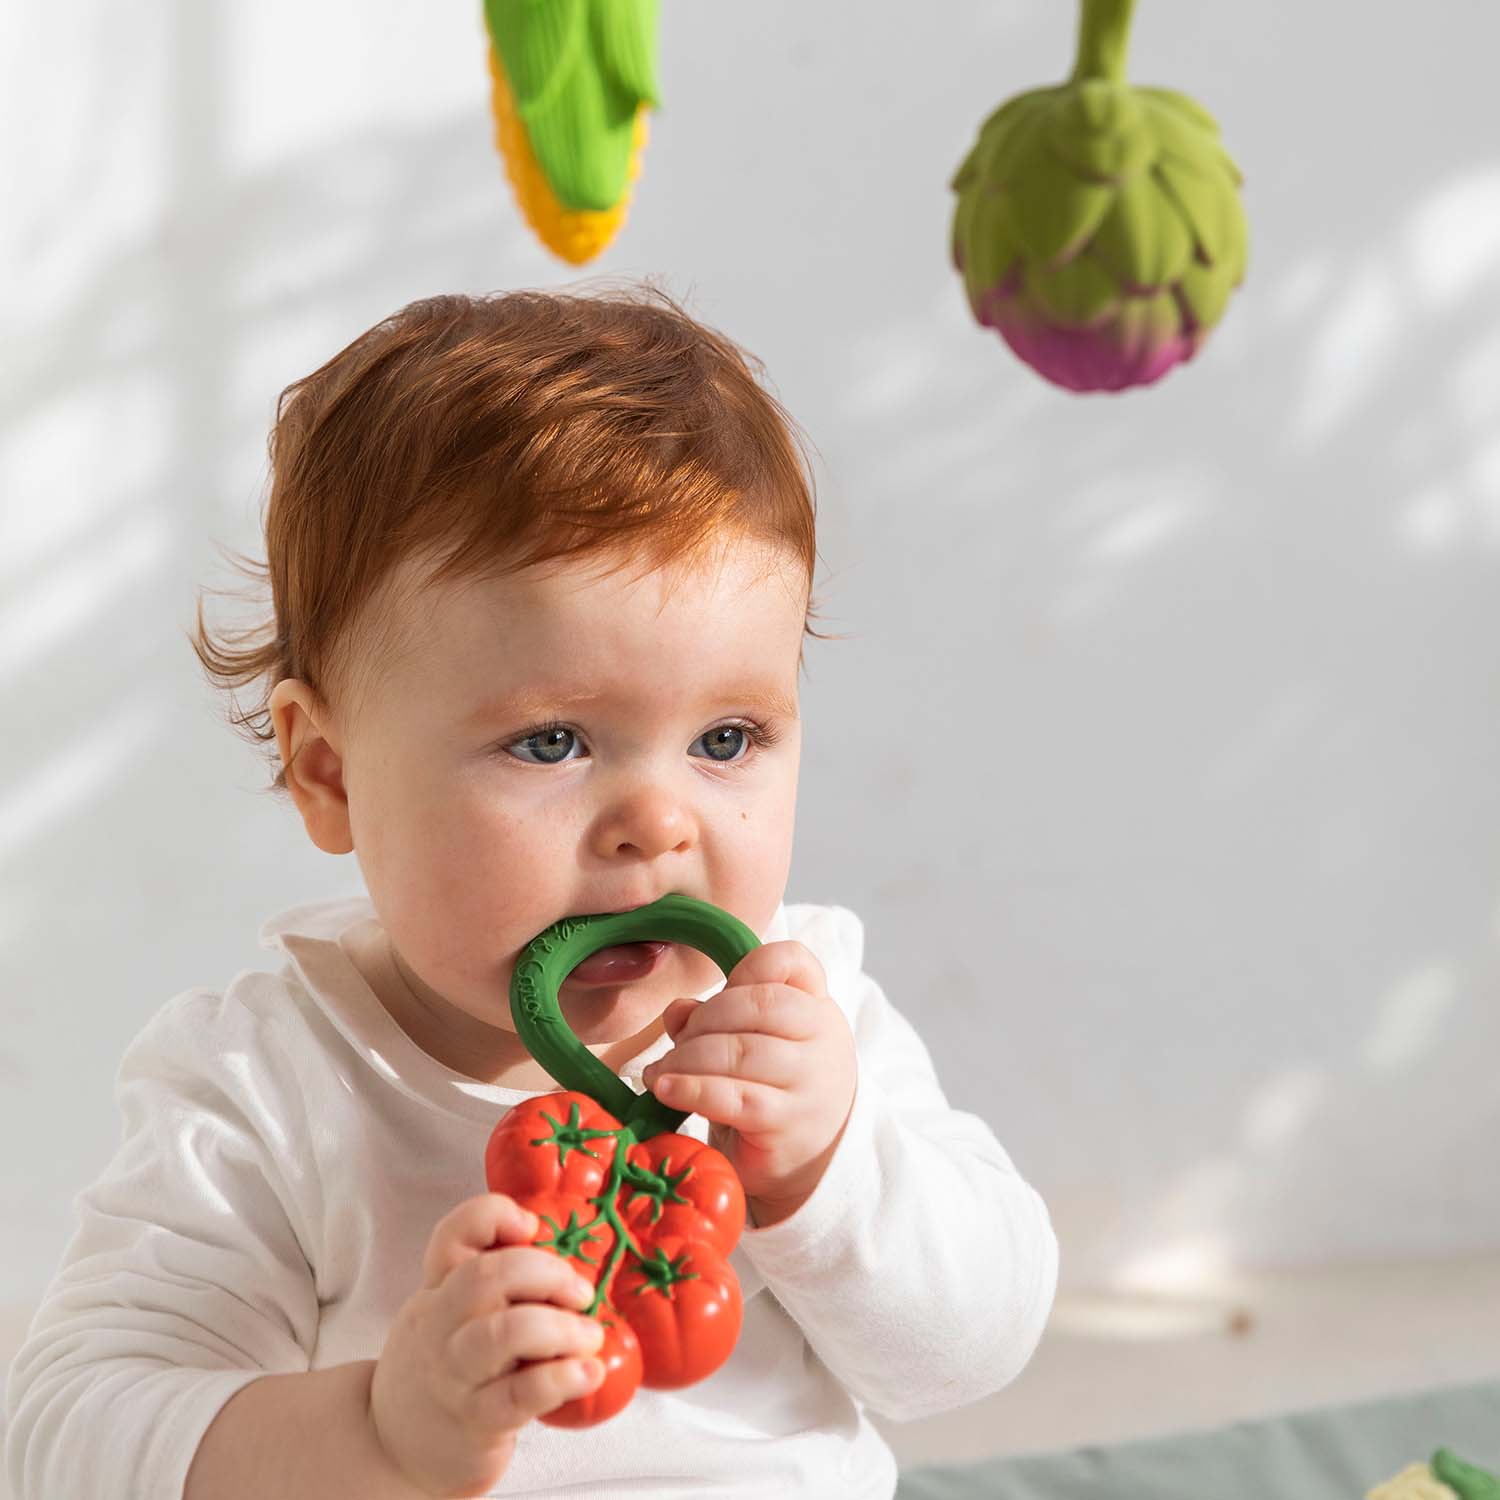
1109 356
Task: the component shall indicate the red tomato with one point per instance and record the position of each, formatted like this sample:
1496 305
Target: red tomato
683 1302
713 1206
672 1313
621 1356
569 1160
562 1227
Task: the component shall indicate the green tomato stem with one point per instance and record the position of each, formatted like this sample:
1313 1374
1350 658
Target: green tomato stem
1103 40
607 1199
609 1213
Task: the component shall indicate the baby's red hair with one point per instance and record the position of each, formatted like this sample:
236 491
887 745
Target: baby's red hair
489 434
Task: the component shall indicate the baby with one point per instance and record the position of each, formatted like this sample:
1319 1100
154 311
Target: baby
541 569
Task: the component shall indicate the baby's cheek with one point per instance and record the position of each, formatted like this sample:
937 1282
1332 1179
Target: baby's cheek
474 891
491 881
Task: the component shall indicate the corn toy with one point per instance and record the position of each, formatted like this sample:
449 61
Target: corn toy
1098 227
648 1216
570 83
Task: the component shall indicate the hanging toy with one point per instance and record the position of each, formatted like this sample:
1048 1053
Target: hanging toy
572 80
1448 1477
1099 228
1465 1480
648 1216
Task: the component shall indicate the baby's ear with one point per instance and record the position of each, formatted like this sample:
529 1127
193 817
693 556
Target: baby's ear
314 769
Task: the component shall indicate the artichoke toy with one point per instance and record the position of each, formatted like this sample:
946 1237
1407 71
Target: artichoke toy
571 82
1098 227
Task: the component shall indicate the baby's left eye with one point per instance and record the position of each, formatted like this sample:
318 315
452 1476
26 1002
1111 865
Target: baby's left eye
726 737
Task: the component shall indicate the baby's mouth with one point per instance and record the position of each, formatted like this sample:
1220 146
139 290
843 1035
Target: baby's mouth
620 963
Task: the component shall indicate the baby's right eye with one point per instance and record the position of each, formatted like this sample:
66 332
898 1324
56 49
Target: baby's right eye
548 735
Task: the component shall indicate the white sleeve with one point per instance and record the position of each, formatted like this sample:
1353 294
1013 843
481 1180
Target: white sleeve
923 1267
185 1279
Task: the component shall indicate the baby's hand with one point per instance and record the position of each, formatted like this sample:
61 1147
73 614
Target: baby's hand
446 1398
772 1057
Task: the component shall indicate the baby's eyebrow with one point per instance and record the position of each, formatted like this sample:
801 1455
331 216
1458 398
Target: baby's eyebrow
765 696
531 703
524 704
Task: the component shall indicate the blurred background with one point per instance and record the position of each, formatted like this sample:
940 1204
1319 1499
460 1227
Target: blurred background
1162 760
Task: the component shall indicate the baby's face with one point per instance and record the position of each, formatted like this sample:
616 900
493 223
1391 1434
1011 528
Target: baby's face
475 829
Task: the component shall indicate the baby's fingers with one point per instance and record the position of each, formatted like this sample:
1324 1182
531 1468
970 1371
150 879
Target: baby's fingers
514 1399
489 1281
750 1108
473 1227
747 1055
488 1347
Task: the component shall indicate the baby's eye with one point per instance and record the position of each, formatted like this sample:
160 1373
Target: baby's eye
726 737
547 738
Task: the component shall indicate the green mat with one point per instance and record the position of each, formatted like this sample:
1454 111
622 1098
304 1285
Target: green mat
1336 1453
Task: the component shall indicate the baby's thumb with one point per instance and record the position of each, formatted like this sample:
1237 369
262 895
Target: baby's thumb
483 1222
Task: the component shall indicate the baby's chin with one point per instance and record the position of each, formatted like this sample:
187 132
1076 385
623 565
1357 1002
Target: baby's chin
610 1013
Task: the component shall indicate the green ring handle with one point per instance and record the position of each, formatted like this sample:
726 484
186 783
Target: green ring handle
553 954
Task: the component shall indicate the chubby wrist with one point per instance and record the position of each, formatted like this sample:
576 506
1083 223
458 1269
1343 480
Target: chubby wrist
766 1209
298 1435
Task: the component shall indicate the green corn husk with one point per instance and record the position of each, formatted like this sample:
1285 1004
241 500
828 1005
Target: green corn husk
579 69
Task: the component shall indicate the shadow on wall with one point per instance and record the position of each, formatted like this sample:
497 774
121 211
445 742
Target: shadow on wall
170 352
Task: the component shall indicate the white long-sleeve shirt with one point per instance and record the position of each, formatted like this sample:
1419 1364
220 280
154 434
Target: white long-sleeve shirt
287 1150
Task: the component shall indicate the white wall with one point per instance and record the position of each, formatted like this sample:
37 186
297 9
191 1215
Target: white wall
1163 762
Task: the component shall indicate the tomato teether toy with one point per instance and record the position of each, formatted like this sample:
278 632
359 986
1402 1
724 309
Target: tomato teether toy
647 1215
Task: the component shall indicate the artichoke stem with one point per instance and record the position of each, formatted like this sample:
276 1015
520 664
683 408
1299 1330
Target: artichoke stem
1103 40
